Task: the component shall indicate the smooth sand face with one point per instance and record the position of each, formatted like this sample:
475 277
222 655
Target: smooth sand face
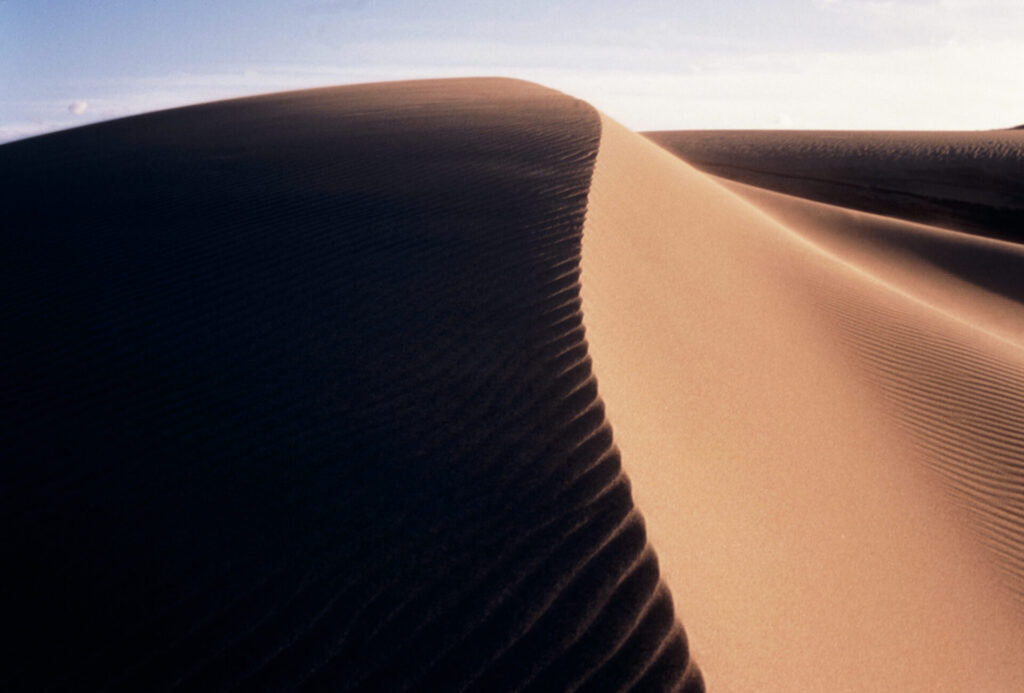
806 545
947 357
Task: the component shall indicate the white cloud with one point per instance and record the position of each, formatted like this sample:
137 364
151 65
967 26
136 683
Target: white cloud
909 21
78 107
962 84
930 87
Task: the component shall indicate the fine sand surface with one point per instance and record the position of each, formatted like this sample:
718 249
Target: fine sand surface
295 397
970 181
954 371
460 385
820 414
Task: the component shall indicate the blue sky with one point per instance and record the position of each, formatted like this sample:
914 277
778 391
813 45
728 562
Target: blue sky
861 64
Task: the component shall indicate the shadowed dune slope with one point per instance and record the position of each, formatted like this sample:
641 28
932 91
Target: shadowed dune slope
819 414
296 397
968 181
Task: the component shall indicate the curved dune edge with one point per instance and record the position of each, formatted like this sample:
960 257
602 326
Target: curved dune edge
972 279
297 397
968 180
752 386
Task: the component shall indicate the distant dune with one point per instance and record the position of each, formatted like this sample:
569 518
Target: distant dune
968 181
461 385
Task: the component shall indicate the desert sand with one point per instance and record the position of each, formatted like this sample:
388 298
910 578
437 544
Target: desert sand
821 421
462 385
296 397
969 181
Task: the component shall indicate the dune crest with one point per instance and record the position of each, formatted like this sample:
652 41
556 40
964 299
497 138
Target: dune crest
973 279
317 390
968 181
807 546
296 397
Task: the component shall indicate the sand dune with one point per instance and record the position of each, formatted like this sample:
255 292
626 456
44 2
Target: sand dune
461 385
974 278
969 181
296 397
949 355
780 393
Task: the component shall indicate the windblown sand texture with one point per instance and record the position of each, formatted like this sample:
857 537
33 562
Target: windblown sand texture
297 395
819 411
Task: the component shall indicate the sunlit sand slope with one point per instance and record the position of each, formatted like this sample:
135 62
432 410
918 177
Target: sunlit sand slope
823 432
953 372
970 181
296 397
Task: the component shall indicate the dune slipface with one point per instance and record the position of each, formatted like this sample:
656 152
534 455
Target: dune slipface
819 410
949 359
296 396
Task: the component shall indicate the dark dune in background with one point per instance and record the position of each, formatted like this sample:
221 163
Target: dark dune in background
296 397
919 176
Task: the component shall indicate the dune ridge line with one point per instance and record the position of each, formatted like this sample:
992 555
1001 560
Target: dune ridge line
798 519
297 396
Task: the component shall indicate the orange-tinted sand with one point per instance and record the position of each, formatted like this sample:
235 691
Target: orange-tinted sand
300 395
754 366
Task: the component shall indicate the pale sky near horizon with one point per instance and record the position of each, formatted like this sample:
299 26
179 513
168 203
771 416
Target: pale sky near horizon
652 64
